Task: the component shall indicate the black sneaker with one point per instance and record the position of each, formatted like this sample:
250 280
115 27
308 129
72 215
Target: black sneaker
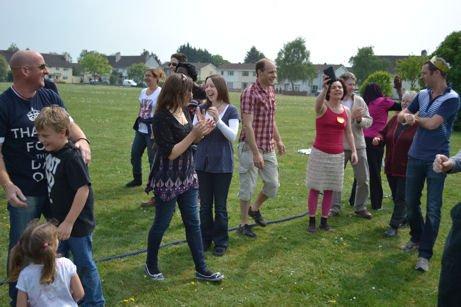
219 251
245 230
256 215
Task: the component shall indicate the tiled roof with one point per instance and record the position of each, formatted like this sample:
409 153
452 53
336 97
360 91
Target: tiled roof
52 60
238 66
200 65
125 60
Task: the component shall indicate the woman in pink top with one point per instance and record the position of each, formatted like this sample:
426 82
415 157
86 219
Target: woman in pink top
325 170
378 106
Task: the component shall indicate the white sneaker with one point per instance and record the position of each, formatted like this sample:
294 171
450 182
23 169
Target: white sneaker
422 264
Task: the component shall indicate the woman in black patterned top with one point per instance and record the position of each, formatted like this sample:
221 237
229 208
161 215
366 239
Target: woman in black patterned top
172 178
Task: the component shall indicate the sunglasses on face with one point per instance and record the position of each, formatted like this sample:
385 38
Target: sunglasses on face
41 66
173 64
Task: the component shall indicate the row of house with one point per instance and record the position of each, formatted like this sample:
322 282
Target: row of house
238 76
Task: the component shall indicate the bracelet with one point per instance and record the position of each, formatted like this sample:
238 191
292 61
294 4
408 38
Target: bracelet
5 184
87 140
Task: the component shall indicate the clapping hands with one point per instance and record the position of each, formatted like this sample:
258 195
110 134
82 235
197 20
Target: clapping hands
204 125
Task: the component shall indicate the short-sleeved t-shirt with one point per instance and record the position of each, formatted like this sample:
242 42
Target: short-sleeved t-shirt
23 155
427 143
66 173
56 294
147 105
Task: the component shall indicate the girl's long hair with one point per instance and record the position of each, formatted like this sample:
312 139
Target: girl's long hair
174 93
221 87
38 244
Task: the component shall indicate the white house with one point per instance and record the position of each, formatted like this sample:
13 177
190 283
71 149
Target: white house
121 63
238 76
309 87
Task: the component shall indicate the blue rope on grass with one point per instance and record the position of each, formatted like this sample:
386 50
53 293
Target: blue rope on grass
183 241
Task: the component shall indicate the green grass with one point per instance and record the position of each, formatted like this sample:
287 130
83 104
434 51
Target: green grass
283 266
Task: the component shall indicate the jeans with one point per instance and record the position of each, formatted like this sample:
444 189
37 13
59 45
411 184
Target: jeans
188 206
375 160
19 218
450 274
397 185
86 267
214 186
140 142
422 232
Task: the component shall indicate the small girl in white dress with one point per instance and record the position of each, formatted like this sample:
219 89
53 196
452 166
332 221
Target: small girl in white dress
48 280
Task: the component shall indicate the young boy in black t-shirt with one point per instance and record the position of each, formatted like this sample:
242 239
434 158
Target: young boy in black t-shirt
70 197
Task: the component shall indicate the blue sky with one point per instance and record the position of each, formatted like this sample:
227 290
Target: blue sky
333 30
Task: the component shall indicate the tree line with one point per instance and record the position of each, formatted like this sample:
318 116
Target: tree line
293 62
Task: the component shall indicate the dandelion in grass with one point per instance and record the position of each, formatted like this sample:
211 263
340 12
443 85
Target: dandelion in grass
132 299
245 286
125 301
192 283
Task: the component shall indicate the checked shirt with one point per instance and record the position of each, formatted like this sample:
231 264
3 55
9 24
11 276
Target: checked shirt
261 104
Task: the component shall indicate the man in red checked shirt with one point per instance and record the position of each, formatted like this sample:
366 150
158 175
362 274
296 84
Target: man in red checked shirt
256 148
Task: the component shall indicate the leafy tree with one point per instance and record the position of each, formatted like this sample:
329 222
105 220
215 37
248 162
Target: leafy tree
115 78
3 68
383 78
410 68
195 55
95 64
293 62
218 60
76 70
253 55
136 72
13 47
85 52
365 63
450 50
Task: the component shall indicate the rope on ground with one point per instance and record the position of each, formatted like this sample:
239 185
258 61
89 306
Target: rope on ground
183 241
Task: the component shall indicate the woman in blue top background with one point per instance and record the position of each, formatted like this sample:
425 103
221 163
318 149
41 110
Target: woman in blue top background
214 163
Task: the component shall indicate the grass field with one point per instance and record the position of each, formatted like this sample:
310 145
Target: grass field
283 266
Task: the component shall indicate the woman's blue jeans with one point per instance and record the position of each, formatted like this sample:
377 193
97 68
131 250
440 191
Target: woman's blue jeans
140 143
188 206
214 187
424 233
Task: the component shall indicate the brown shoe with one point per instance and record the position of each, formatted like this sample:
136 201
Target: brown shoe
364 213
149 203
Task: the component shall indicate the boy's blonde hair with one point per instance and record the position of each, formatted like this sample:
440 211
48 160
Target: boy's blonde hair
55 117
